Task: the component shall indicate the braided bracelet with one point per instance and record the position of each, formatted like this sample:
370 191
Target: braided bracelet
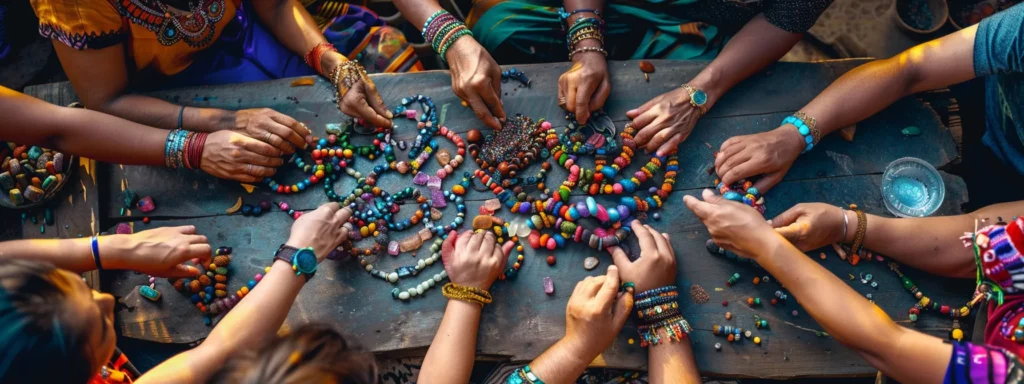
467 294
862 228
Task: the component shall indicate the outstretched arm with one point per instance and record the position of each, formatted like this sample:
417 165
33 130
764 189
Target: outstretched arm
256 319
931 244
906 355
472 260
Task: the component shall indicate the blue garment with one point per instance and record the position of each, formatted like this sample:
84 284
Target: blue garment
999 55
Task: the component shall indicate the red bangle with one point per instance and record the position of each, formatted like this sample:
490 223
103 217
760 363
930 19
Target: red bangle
196 150
314 56
185 148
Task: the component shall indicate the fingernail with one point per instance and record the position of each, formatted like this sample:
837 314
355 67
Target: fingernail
390 115
631 111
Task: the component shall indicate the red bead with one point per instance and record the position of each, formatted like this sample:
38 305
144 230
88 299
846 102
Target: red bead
297 215
145 219
551 259
725 303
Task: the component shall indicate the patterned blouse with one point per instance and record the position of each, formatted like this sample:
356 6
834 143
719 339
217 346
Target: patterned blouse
157 37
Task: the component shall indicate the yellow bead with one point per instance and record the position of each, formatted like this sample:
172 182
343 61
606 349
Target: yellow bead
958 334
266 270
757 340
519 248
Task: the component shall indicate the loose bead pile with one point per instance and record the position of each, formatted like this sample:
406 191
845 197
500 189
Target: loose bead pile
515 74
29 173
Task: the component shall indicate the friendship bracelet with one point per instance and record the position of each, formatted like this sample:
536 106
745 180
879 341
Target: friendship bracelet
862 228
676 328
467 294
523 376
96 252
451 41
805 126
655 292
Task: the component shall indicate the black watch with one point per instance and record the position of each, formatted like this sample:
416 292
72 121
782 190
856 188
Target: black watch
302 260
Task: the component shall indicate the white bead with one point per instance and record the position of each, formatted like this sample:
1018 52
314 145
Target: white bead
419 290
420 264
403 295
429 261
412 292
443 274
369 267
431 282
437 278
393 277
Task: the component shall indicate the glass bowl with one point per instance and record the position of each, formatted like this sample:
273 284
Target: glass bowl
912 188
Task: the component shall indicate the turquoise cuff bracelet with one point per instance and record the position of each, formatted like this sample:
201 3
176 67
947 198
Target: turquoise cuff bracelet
805 126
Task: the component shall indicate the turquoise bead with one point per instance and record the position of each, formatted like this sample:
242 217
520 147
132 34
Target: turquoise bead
591 205
613 215
809 139
730 195
804 130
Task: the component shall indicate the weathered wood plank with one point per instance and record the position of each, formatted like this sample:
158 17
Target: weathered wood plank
878 142
790 347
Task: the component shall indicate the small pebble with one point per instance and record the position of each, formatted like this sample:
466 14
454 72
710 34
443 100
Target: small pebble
725 303
718 346
822 256
656 216
549 285
728 315
591 263
795 313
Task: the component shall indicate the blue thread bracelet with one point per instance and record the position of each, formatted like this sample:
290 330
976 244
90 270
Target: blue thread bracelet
181 115
805 127
96 252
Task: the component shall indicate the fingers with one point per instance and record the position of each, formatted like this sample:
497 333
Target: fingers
506 249
600 96
619 256
563 83
583 95
288 129
377 102
201 251
487 247
329 209
768 181
645 237
729 148
342 215
186 229
492 96
260 148
355 104
257 159
594 285
664 247
475 241
498 253
182 270
791 232
482 113
788 217
633 113
610 287
462 240
570 94
659 139
642 121
699 208
739 172
670 147
734 160
710 197
622 309
257 172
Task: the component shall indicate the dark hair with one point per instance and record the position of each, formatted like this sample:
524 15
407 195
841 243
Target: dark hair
37 332
313 353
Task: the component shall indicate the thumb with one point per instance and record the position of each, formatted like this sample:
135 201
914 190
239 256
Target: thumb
622 309
506 248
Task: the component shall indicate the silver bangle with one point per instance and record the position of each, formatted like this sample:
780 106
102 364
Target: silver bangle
846 224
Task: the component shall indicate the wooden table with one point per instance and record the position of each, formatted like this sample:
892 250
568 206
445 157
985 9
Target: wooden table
524 321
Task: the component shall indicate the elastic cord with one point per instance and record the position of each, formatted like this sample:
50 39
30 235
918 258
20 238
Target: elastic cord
181 115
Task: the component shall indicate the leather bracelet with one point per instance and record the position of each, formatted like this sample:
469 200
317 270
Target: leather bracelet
862 228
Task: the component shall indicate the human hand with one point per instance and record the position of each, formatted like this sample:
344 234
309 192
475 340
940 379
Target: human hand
768 153
234 156
476 79
159 252
362 100
323 229
595 314
733 226
585 86
271 127
811 225
664 121
656 266
477 260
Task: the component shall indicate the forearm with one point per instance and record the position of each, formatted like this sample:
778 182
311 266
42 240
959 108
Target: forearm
757 45
931 244
249 326
563 362
451 354
161 114
71 254
294 27
672 362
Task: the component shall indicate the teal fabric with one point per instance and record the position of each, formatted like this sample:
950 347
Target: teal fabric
999 55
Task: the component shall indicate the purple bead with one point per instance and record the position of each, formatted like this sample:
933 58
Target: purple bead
437 198
367 196
124 229
433 182
420 178
581 207
337 254
623 211
393 249
549 285
524 207
146 204
652 190
265 205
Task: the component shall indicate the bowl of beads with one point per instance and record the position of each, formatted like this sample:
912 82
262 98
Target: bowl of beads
965 13
30 175
912 188
921 16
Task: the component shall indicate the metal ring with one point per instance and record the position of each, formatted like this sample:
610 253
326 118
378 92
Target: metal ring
561 101
248 170
267 137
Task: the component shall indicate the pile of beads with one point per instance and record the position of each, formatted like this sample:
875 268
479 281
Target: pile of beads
209 291
742 191
29 173
255 209
515 74
513 148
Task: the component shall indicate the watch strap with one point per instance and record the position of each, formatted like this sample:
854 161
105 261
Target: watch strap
287 253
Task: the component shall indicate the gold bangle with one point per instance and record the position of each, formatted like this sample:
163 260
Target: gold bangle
467 294
862 229
345 76
587 49
810 122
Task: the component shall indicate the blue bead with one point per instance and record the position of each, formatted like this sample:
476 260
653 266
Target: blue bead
613 215
803 130
809 139
752 191
591 205
559 240
730 195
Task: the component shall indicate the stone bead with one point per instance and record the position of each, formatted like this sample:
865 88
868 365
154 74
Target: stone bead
403 296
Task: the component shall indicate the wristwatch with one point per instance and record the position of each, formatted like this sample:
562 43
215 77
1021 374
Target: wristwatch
698 98
303 260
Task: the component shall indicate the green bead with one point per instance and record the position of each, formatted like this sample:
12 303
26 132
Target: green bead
911 131
907 284
221 271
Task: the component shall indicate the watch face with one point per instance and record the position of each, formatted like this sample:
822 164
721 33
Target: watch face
699 97
305 261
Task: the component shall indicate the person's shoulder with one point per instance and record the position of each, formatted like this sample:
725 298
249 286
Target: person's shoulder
80 24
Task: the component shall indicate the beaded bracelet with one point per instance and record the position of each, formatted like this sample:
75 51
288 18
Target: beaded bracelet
442 30
467 294
523 376
587 49
862 228
346 76
805 126
174 148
